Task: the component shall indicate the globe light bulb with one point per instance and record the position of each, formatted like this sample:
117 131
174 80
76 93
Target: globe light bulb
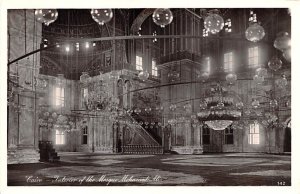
143 75
162 17
258 79
275 63
231 78
287 54
203 76
255 32
282 41
213 23
173 75
262 72
255 103
273 103
239 105
46 16
102 16
84 77
282 82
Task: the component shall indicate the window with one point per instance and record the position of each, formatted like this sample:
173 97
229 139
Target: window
84 96
84 135
154 68
59 96
229 135
206 135
59 137
254 133
228 61
207 65
139 63
253 57
85 93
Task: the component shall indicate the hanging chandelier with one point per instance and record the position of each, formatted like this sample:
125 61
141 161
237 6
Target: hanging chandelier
219 110
255 32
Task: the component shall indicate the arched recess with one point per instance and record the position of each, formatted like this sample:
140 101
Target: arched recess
287 135
120 83
139 20
127 98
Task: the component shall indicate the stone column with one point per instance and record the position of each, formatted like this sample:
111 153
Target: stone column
24 36
197 136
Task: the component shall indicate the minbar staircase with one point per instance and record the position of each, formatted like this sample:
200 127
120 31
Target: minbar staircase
149 146
47 152
151 132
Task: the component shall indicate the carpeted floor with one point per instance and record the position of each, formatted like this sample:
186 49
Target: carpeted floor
76 169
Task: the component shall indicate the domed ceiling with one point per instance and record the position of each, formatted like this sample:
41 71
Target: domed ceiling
92 57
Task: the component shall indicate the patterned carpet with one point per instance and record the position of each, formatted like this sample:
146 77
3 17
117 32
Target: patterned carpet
212 169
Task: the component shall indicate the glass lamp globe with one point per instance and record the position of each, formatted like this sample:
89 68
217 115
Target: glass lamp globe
220 105
46 16
282 82
173 107
84 77
213 23
282 41
102 16
203 105
239 105
143 75
273 103
262 72
255 103
187 107
275 63
148 110
162 17
258 79
203 76
231 78
137 110
287 54
255 32
173 75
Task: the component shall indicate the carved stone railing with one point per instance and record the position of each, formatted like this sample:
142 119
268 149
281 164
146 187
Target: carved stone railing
142 149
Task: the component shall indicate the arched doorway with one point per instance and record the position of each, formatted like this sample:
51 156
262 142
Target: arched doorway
287 137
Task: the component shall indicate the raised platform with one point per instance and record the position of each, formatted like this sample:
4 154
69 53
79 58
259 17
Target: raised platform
187 149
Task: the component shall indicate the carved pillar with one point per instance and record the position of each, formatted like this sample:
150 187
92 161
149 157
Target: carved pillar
197 136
